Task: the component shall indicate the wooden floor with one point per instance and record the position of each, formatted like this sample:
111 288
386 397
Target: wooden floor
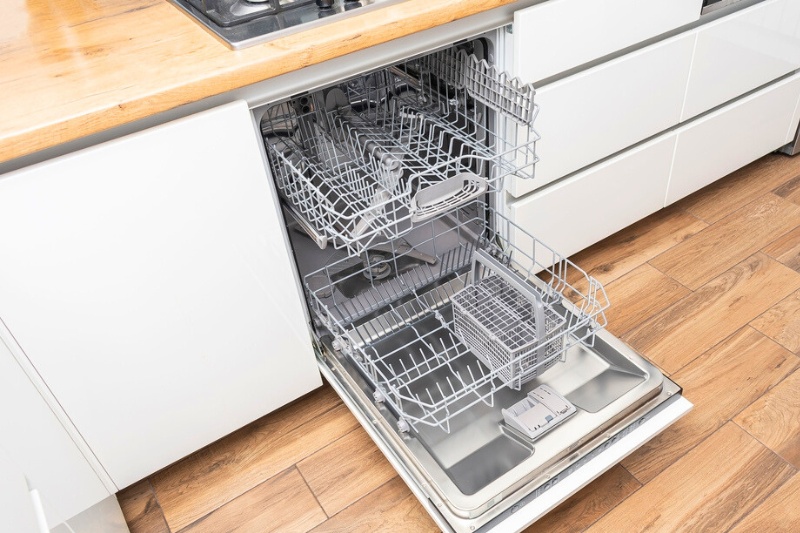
708 289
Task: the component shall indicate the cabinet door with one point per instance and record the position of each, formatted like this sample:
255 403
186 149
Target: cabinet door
741 52
587 207
552 37
17 512
596 113
729 138
40 446
148 280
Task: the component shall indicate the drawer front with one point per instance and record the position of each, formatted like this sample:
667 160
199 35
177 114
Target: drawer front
742 52
601 111
556 36
729 138
591 205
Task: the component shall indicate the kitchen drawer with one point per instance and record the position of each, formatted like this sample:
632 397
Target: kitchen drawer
729 138
556 36
597 202
742 52
596 113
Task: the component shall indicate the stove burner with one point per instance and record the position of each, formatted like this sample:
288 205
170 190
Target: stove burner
243 23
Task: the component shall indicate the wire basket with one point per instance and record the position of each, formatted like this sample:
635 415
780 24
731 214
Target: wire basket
365 161
506 323
404 335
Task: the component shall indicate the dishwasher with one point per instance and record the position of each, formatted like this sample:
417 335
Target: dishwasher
473 354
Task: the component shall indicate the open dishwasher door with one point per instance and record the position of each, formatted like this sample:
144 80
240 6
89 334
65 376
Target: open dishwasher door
487 442
473 354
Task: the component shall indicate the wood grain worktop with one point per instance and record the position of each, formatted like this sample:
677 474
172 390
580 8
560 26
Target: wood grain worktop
71 68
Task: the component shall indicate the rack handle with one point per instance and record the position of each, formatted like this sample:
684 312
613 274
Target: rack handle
447 194
482 257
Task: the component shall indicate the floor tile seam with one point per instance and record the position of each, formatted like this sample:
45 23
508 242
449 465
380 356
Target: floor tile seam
770 243
698 217
758 251
707 350
722 423
648 317
343 509
773 242
217 508
776 341
331 443
672 278
301 399
711 225
278 473
155 497
637 489
759 504
314 494
689 213
637 265
315 450
677 459
297 465
770 389
745 326
763 193
757 198
673 463
765 445
770 493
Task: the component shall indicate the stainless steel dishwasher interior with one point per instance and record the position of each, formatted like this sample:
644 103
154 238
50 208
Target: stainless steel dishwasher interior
385 181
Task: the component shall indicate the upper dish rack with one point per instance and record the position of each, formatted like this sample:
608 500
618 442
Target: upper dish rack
365 161
403 332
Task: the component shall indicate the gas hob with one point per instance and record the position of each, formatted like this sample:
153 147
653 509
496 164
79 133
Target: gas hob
243 23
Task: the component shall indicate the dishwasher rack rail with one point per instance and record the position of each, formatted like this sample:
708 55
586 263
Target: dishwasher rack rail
365 161
403 336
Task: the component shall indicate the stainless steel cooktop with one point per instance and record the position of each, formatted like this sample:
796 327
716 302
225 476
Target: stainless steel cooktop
243 23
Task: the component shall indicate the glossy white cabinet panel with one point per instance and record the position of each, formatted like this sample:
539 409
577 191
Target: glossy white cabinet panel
741 52
727 139
103 517
40 446
149 283
601 111
587 207
17 513
558 35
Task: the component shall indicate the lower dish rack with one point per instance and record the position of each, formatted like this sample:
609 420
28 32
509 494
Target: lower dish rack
486 315
365 161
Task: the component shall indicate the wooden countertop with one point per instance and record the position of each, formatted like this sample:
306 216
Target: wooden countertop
70 68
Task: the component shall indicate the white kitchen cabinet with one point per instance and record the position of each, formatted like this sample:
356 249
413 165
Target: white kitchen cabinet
148 281
585 208
555 36
729 138
741 52
598 112
17 511
39 445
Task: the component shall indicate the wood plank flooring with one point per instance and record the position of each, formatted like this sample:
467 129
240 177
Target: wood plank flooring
708 289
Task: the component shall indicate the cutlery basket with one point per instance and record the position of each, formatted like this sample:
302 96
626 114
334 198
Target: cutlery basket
509 326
